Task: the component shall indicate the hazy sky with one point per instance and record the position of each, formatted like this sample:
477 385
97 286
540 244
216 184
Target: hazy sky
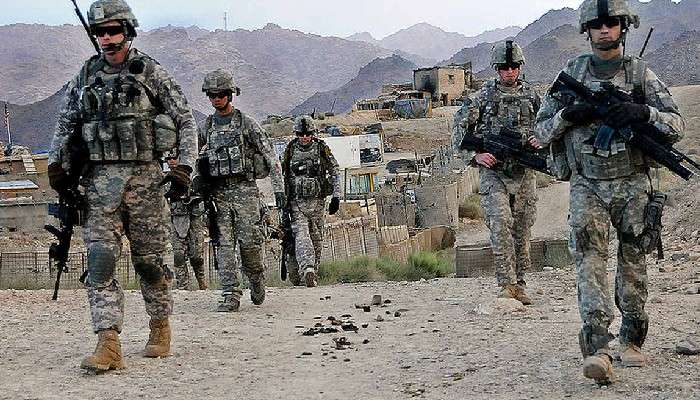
325 17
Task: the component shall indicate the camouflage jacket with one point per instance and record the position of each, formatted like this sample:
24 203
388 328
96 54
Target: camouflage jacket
492 108
570 145
318 164
159 90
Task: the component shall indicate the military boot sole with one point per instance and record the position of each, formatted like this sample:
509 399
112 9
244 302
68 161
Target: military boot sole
598 369
96 367
638 360
228 307
156 352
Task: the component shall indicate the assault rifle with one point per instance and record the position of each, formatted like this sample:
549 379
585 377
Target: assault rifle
507 145
87 27
287 238
644 136
213 227
69 212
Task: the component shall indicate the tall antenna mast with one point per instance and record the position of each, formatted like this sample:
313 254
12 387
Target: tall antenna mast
225 20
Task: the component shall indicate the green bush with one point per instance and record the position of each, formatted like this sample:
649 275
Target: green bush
424 265
471 208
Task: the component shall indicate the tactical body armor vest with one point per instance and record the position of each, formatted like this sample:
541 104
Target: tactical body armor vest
504 113
577 152
229 153
120 113
307 170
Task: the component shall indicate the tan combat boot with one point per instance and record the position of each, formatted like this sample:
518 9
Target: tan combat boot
632 356
202 283
521 296
107 355
509 291
599 368
159 340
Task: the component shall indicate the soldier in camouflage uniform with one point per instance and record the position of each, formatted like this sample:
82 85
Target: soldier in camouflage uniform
310 175
608 187
187 216
236 151
507 188
128 111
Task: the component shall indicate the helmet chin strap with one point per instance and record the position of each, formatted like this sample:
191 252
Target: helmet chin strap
606 46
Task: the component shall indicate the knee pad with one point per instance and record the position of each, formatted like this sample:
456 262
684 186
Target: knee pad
102 262
149 267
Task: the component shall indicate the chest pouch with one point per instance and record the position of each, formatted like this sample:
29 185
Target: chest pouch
612 164
307 187
165 133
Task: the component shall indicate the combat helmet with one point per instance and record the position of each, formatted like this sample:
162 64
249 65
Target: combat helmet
594 9
113 10
219 80
507 52
304 123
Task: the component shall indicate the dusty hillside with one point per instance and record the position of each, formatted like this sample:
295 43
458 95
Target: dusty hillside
367 84
275 67
679 60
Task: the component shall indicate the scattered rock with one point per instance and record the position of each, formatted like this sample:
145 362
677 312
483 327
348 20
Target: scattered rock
379 318
366 308
688 347
397 314
365 325
365 341
377 299
680 256
387 301
341 343
693 290
306 353
349 327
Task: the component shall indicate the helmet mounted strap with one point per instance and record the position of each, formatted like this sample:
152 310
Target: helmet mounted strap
509 52
603 9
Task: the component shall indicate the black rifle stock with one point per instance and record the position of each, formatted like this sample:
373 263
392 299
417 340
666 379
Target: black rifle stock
87 27
288 246
213 227
69 213
506 145
644 136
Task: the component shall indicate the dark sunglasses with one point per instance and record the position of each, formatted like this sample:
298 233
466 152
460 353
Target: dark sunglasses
108 30
218 95
300 134
598 23
506 67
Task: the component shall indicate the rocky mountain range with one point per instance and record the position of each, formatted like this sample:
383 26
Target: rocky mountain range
555 37
432 42
367 84
679 60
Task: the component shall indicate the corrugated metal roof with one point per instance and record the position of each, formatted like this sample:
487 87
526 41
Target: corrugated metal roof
18 185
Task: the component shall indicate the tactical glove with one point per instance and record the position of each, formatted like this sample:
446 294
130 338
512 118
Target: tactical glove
280 200
58 178
579 114
179 179
334 206
625 114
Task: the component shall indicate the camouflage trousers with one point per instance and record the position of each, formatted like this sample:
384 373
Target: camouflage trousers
308 217
509 207
242 234
594 205
125 200
188 245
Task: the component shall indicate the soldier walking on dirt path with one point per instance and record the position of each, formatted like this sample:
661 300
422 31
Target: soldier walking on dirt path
187 216
311 174
126 110
608 186
235 152
506 105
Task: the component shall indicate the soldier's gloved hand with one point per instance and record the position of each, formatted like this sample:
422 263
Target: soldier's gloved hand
624 114
579 114
334 206
179 179
203 167
58 178
280 200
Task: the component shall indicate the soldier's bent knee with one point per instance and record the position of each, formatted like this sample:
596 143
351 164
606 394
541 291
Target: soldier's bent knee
101 264
149 267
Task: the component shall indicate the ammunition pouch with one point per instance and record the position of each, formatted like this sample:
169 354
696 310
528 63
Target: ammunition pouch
615 163
307 188
226 161
165 133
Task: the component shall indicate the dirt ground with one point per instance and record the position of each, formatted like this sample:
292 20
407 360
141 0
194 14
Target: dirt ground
452 340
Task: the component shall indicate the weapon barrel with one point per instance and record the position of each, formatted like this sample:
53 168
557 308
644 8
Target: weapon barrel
87 27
